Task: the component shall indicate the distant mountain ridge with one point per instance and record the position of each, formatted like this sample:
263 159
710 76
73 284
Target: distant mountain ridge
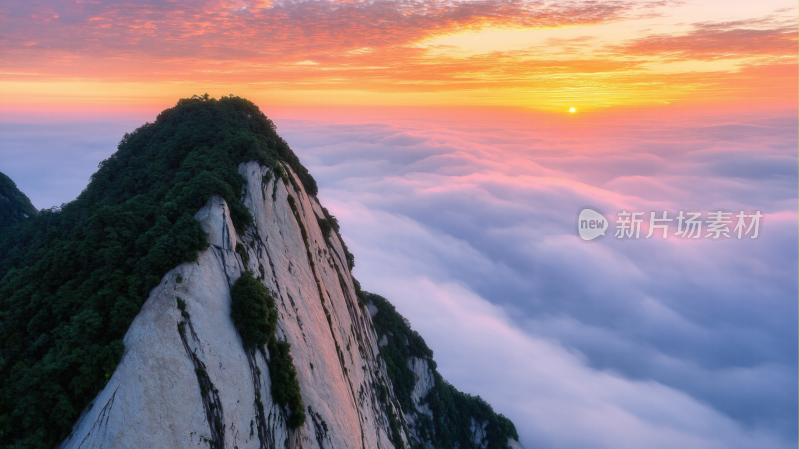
14 205
117 321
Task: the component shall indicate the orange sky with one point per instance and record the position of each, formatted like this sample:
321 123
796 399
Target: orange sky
540 55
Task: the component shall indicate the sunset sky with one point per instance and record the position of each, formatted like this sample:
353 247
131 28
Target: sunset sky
440 135
531 54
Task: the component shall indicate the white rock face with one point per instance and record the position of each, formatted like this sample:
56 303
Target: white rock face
425 382
186 379
189 382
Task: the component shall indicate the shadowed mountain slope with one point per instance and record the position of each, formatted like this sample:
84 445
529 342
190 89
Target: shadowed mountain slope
14 205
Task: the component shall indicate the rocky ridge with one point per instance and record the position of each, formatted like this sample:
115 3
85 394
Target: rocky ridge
186 380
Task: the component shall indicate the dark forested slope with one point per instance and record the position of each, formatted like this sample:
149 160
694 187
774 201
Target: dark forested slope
14 205
453 411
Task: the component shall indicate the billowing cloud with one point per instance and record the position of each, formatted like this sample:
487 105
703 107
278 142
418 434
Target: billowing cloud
469 228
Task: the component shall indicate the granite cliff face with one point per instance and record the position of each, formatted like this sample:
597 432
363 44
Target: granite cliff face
186 379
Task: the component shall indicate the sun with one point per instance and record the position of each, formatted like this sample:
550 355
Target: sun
572 110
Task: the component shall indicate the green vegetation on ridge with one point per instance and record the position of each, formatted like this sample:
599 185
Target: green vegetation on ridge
72 281
285 387
253 312
256 318
402 343
14 205
453 410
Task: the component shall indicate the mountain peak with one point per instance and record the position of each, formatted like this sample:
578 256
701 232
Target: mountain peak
127 319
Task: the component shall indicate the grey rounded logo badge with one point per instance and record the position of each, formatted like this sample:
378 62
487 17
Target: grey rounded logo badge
591 224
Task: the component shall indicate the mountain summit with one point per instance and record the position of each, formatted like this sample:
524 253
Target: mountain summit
197 294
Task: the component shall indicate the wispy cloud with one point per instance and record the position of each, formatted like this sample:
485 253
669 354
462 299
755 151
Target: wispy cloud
725 40
228 30
383 47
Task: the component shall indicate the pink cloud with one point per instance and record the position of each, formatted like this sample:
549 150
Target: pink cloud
727 40
650 343
225 30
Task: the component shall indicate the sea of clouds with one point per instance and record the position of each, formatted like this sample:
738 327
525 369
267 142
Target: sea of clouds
468 226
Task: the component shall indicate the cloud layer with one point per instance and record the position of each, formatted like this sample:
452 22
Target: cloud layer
469 228
467 223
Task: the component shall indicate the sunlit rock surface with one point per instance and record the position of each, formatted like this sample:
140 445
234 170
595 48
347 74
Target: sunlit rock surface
186 379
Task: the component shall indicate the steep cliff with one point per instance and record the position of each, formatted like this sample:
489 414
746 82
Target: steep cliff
179 374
